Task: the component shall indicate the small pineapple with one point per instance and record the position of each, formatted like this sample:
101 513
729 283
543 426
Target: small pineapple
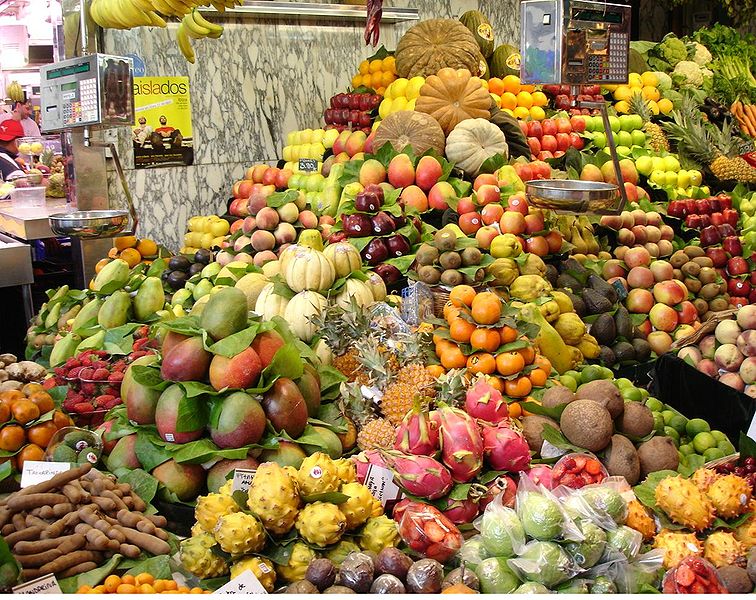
373 430
412 380
376 434
656 138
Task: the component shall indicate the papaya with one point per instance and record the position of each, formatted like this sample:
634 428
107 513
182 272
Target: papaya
93 342
549 342
86 318
112 276
114 312
149 298
51 320
64 349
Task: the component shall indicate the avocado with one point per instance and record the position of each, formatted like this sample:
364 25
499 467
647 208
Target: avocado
571 264
552 275
602 287
604 330
624 352
595 303
642 350
577 302
607 356
623 324
568 281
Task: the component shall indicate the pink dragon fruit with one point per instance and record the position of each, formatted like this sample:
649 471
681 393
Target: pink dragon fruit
486 403
421 476
417 434
503 484
461 511
541 474
364 459
461 444
505 449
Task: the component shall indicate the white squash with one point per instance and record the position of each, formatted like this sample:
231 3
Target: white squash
300 310
309 270
377 286
270 304
252 285
472 142
354 288
345 258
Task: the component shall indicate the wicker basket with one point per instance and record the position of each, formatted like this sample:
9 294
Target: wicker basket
722 461
440 298
706 328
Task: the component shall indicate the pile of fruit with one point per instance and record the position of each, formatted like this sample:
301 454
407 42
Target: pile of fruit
450 260
204 233
520 101
562 98
350 111
376 74
644 229
550 138
307 143
400 95
133 251
181 268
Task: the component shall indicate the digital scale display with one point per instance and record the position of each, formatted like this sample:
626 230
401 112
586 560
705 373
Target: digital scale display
597 16
66 71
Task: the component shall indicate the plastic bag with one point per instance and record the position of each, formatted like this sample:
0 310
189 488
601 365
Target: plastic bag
501 531
417 304
623 540
546 563
429 533
473 552
694 575
74 445
542 515
603 504
578 470
645 571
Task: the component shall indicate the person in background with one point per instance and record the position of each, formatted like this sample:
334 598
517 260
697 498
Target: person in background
165 130
141 132
10 131
22 112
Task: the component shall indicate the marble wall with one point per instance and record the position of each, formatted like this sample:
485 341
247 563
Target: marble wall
261 79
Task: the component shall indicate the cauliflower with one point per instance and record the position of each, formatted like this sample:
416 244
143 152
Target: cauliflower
673 50
690 74
664 80
701 54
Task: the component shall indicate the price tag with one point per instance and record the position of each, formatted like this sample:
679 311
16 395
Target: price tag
242 479
37 471
47 584
246 583
620 289
380 482
752 429
309 165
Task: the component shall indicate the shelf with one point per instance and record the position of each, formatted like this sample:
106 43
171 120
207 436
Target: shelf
311 11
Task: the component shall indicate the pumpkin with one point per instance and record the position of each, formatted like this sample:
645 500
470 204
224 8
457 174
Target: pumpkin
452 96
377 286
300 310
269 304
474 141
354 288
345 258
434 44
308 269
480 27
252 285
410 128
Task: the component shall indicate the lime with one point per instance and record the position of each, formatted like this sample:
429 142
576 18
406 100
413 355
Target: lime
696 426
726 447
591 373
574 374
719 436
568 382
686 449
631 394
713 454
658 422
623 382
668 416
644 393
655 405
607 373
672 433
683 459
678 422
703 441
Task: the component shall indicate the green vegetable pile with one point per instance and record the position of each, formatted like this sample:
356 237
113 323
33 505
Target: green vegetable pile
734 61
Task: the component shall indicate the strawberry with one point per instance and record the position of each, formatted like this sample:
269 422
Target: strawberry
685 575
75 372
114 402
116 377
85 373
83 407
88 389
100 374
71 363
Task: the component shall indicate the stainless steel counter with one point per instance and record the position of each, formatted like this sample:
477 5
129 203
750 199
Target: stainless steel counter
29 223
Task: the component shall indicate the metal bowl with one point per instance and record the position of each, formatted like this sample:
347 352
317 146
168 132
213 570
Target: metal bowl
570 196
90 223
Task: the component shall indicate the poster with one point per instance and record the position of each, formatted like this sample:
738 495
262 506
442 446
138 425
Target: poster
162 133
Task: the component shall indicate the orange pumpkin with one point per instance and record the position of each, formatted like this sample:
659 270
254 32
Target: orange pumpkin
452 96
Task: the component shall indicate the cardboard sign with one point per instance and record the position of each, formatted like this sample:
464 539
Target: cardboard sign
380 482
242 479
309 165
47 584
37 471
246 583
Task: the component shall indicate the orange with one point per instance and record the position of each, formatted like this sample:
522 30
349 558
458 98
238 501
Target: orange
461 330
159 586
515 410
485 339
356 81
364 67
196 590
452 358
524 99
496 86
518 388
538 377
486 308
435 370
4 412
496 383
540 99
43 400
527 88
144 578
147 247
387 78
131 256
509 363
24 411
376 65
126 588
170 584
462 295
450 311
100 264
111 583
12 437
125 241
10 396
146 588
42 433
508 101
542 362
481 362
507 334
521 113
183 590
512 84
389 64
29 452
61 419
128 579
528 354
84 589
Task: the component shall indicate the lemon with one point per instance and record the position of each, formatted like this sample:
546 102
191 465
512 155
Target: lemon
413 87
398 88
653 107
703 441
384 110
649 78
509 111
496 99
635 80
537 113
411 104
665 106
364 67
623 92
622 107
398 104
521 112
650 93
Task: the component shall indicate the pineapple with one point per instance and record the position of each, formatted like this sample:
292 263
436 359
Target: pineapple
373 430
413 380
452 387
376 434
342 329
656 138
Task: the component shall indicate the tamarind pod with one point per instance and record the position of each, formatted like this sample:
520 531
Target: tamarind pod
19 521
139 504
37 560
28 533
97 539
7 529
130 550
119 503
29 547
71 559
29 574
150 543
106 504
58 527
73 493
146 526
63 509
124 488
5 515
29 501
57 481
158 520
31 520
84 567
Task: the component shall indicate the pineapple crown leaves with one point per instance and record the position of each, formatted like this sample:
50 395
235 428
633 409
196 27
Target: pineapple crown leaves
452 387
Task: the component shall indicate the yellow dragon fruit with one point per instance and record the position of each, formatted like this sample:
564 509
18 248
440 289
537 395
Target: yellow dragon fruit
677 546
239 533
301 557
199 559
703 478
321 523
721 549
291 472
346 469
359 507
261 567
273 498
318 474
379 533
639 519
730 496
684 503
227 488
377 509
212 507
745 533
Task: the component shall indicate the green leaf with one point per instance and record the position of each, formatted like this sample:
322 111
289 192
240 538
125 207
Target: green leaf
193 413
332 497
142 483
240 497
149 376
157 566
331 416
69 585
149 454
747 446
490 476
6 470
157 267
384 154
310 437
493 163
461 491
203 450
556 438
279 199
280 551
192 389
286 363
184 325
402 263
646 491
234 344
554 412
461 187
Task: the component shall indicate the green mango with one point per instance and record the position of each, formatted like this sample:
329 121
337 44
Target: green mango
181 297
59 293
69 315
202 288
87 317
64 349
149 299
225 313
210 270
93 342
112 276
51 320
115 310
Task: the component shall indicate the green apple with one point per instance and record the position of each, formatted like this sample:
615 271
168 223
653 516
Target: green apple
589 126
624 138
695 177
670 178
626 123
639 137
599 139
671 163
705 191
623 150
598 122
658 177
644 165
614 123
683 178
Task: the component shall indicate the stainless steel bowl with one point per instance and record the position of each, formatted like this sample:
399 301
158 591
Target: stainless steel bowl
89 223
567 195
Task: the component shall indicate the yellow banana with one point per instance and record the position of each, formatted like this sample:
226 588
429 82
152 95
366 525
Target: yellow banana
135 16
143 5
162 7
184 43
203 22
157 20
192 29
219 6
179 8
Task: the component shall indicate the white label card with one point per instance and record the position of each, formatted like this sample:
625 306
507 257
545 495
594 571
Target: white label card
752 429
246 583
37 471
47 584
242 479
380 482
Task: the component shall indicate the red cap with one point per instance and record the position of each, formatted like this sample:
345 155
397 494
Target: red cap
10 129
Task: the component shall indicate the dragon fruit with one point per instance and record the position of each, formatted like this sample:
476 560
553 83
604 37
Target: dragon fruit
486 403
461 511
503 484
364 459
541 474
505 449
461 444
417 434
421 476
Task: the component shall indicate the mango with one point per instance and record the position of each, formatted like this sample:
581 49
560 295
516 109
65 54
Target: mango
93 342
186 361
266 344
183 479
309 387
140 401
238 372
123 455
114 312
166 417
549 342
86 318
287 454
329 443
51 320
69 315
112 276
225 313
239 421
149 298
216 476
171 339
286 407
199 306
64 349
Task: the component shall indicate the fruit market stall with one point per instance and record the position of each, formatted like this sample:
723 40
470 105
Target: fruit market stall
385 369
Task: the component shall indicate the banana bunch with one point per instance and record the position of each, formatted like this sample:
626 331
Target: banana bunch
578 231
194 25
222 5
125 14
14 91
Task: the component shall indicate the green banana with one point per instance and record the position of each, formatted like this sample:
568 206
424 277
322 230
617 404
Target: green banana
149 299
86 318
64 349
114 312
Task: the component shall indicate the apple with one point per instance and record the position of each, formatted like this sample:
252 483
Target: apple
535 129
710 235
732 245
466 205
535 145
488 194
640 277
718 256
485 235
398 245
663 317
375 252
537 245
555 241
639 301
470 222
534 222
490 214
563 141
549 143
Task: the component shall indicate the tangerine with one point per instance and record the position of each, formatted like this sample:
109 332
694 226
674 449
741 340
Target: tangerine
538 377
512 84
461 330
462 295
515 410
113 253
450 311
111 583
131 256
12 437
101 263
43 400
30 388
507 334
518 388
435 370
452 358
485 339
29 452
128 579
42 433
481 362
24 411
486 308
126 588
496 86
508 101
509 363
123 242
496 383
542 362
147 247
11 396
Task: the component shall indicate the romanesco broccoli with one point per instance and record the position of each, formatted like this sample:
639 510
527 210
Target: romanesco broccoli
673 50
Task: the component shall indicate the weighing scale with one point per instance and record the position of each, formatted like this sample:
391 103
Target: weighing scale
576 42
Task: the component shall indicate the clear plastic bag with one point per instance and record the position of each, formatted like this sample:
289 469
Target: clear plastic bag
542 515
417 303
694 575
501 531
74 445
577 470
603 504
546 563
429 533
473 552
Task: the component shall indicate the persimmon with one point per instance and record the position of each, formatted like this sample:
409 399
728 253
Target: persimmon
496 383
507 334
527 353
538 377
4 412
481 362
509 363
515 410
518 388
485 339
452 358
43 400
486 308
42 433
542 362
461 330
12 437
462 295
451 312
11 396
61 419
24 411
29 452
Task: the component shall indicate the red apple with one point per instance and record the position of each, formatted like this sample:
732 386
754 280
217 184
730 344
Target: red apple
549 143
535 145
519 203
